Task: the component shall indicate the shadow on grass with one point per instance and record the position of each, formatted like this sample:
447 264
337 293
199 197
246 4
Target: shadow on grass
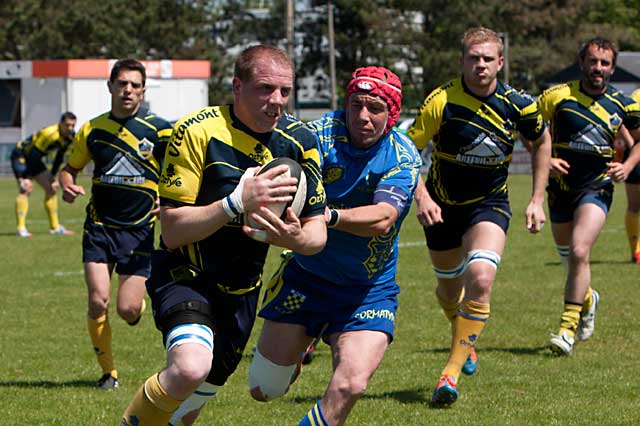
405 396
539 350
596 262
47 384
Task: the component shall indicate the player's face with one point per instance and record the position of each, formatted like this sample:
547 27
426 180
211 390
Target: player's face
597 68
66 127
366 119
481 63
127 92
259 102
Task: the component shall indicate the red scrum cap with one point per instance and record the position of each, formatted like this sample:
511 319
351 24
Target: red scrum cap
379 81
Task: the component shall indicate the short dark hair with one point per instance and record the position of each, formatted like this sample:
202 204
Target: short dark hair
246 62
128 64
68 116
600 43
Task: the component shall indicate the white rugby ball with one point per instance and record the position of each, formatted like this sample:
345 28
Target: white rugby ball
280 209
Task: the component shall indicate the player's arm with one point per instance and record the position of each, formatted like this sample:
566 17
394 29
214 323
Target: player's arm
188 223
364 221
540 163
620 171
67 180
429 212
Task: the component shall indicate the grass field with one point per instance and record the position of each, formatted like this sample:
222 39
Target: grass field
49 370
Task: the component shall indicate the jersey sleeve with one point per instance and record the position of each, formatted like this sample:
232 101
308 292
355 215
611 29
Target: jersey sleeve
531 124
429 119
316 196
80 155
183 167
396 186
632 110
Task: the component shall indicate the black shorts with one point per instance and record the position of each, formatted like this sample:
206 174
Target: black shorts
23 167
563 204
181 295
129 249
458 219
634 176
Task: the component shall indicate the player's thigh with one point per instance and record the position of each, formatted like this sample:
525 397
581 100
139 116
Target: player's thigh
131 290
98 279
282 343
588 223
45 179
485 235
357 354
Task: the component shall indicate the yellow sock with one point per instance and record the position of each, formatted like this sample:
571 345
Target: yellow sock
450 309
100 332
151 406
570 318
468 325
51 206
588 301
632 226
22 208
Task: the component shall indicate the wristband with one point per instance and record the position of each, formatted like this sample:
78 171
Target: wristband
229 207
334 218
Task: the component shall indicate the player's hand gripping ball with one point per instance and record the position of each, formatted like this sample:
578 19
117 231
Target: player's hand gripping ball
280 209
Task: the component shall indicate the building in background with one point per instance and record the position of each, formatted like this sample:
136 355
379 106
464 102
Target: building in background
33 94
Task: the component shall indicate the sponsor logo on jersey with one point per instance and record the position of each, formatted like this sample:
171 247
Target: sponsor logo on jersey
591 139
260 154
123 171
615 121
178 134
167 179
485 150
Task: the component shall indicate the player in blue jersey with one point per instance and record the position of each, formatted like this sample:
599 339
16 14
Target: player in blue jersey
348 292
474 121
28 165
585 117
126 146
206 277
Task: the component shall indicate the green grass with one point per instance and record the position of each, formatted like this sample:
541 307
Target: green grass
48 366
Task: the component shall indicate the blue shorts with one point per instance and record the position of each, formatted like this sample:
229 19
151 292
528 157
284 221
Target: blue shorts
458 219
23 167
180 295
129 249
296 296
563 204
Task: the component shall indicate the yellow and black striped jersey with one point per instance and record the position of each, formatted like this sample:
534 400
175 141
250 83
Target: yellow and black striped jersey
473 139
636 95
44 141
127 154
583 128
209 151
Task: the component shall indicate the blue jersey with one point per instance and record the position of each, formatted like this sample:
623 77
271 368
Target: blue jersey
356 177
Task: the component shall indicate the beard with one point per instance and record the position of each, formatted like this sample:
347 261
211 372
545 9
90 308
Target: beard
594 84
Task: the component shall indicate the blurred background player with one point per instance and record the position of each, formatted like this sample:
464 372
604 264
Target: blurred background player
27 162
473 121
206 279
585 116
347 292
624 143
126 146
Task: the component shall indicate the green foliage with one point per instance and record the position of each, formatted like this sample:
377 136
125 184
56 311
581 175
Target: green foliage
49 368
420 40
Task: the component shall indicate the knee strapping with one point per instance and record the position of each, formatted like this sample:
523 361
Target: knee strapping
190 333
196 401
486 256
268 379
451 273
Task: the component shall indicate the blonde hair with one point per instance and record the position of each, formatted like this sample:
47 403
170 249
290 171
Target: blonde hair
478 35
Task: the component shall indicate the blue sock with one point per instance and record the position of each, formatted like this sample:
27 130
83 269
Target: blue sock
314 417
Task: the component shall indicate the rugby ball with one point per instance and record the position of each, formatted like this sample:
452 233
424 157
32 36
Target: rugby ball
299 198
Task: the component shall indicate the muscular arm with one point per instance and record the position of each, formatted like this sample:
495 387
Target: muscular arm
540 161
368 221
187 224
67 180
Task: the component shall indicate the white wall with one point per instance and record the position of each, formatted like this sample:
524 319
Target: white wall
42 101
